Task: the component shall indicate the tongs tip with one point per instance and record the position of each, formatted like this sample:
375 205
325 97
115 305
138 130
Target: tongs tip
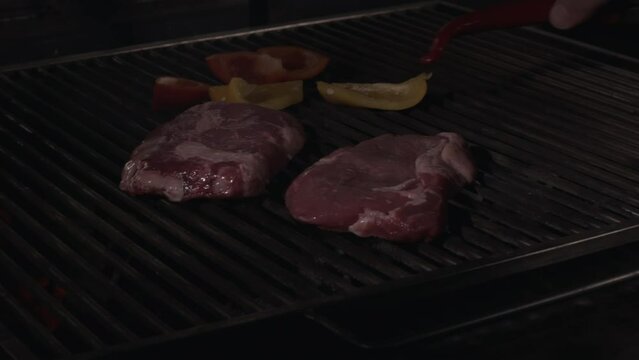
507 14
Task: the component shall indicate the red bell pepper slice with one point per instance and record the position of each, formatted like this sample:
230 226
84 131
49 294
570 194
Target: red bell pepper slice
254 68
173 93
268 65
299 63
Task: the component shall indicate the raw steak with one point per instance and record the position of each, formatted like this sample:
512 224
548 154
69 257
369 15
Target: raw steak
392 187
213 150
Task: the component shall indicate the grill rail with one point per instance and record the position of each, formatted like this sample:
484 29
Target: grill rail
553 127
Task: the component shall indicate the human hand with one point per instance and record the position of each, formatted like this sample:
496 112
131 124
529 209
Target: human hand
566 14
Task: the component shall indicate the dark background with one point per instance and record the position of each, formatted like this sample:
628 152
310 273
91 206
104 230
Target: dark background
39 29
35 29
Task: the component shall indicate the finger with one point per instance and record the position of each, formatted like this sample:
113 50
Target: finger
566 14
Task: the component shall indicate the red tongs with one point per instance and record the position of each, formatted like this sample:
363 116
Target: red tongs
507 15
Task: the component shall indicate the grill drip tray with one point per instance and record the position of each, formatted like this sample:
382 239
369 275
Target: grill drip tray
553 125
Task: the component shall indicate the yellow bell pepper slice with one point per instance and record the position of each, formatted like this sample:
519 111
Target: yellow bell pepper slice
275 96
382 96
219 92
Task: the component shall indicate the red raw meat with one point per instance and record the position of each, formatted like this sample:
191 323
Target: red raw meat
213 150
393 187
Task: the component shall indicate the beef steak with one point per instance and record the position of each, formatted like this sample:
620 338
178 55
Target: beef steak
393 187
213 150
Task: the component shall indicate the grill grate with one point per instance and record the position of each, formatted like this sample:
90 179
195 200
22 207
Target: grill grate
554 125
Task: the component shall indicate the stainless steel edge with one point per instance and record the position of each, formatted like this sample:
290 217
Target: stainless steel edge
289 25
213 36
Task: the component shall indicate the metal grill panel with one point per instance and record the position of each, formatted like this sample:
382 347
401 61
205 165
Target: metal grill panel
553 125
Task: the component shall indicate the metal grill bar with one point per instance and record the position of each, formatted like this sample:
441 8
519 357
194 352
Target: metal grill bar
136 268
335 127
210 277
211 255
273 245
85 336
70 255
522 62
381 43
137 226
13 348
520 57
35 331
575 143
129 305
115 236
358 137
163 70
527 44
77 298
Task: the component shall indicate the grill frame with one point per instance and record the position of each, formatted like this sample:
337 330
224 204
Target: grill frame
551 251
424 285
